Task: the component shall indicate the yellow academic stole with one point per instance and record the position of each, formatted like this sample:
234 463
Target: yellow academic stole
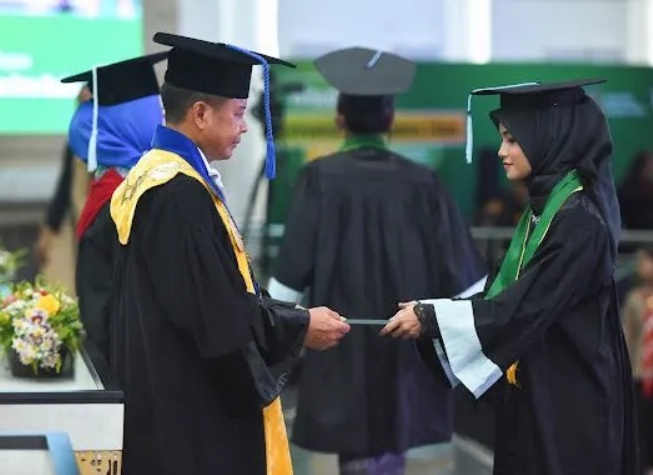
156 168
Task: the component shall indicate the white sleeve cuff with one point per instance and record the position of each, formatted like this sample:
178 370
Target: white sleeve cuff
463 348
282 292
474 289
444 361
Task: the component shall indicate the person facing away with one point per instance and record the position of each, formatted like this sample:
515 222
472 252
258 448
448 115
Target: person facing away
638 328
546 334
203 353
110 137
60 205
636 192
368 227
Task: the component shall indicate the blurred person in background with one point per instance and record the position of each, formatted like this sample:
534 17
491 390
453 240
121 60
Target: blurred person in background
636 193
128 111
61 203
638 328
368 227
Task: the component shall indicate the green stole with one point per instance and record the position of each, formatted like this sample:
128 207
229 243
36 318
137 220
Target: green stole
524 244
354 142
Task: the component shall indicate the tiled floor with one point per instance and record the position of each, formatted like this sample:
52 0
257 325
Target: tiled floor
441 459
433 460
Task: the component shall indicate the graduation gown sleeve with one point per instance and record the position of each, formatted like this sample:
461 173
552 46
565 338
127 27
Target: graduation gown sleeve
201 292
94 279
298 250
61 200
462 271
482 338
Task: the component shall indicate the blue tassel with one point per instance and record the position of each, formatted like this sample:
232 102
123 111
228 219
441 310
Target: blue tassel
270 152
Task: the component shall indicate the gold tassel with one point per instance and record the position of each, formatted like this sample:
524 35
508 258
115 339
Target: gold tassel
511 375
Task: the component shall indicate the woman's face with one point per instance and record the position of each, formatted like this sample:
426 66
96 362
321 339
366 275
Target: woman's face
514 160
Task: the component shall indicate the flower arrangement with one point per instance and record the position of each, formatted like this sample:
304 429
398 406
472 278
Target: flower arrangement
39 325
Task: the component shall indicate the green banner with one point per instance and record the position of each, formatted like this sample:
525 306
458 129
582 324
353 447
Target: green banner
37 51
430 119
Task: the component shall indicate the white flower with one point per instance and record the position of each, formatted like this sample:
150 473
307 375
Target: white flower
36 340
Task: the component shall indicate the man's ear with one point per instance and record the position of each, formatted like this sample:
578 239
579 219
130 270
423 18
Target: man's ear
198 112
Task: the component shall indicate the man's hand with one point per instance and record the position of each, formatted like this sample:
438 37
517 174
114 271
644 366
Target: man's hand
43 246
404 324
325 329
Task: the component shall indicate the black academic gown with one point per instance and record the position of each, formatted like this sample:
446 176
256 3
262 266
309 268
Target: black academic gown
368 229
571 412
197 355
94 278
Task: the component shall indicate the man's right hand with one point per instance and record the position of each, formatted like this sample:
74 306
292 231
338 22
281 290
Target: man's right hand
43 246
325 329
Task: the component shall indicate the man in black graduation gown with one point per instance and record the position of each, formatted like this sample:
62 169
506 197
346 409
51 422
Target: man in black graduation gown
203 354
123 122
544 340
367 228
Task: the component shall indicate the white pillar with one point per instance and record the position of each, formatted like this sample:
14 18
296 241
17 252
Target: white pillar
639 42
468 30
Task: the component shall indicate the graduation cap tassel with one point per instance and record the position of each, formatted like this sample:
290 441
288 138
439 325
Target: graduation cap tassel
375 59
270 155
469 146
92 143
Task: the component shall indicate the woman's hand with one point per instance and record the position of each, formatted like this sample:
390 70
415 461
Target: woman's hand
404 324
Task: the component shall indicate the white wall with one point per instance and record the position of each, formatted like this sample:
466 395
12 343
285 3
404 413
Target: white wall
520 29
560 29
413 27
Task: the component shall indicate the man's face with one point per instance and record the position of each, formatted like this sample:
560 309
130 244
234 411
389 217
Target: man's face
221 127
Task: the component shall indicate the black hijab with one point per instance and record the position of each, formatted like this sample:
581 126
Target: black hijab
559 138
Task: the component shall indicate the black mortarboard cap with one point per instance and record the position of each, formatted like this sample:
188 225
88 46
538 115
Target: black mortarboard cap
117 83
535 96
361 71
529 96
218 69
222 70
123 81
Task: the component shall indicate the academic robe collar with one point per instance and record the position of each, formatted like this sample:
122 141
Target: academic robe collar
354 142
170 140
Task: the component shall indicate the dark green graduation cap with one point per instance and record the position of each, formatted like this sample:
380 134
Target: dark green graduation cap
361 71
123 81
529 96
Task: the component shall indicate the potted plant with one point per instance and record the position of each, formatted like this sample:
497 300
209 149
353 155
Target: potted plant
40 329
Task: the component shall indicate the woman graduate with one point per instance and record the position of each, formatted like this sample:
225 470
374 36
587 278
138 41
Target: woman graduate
110 133
546 333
